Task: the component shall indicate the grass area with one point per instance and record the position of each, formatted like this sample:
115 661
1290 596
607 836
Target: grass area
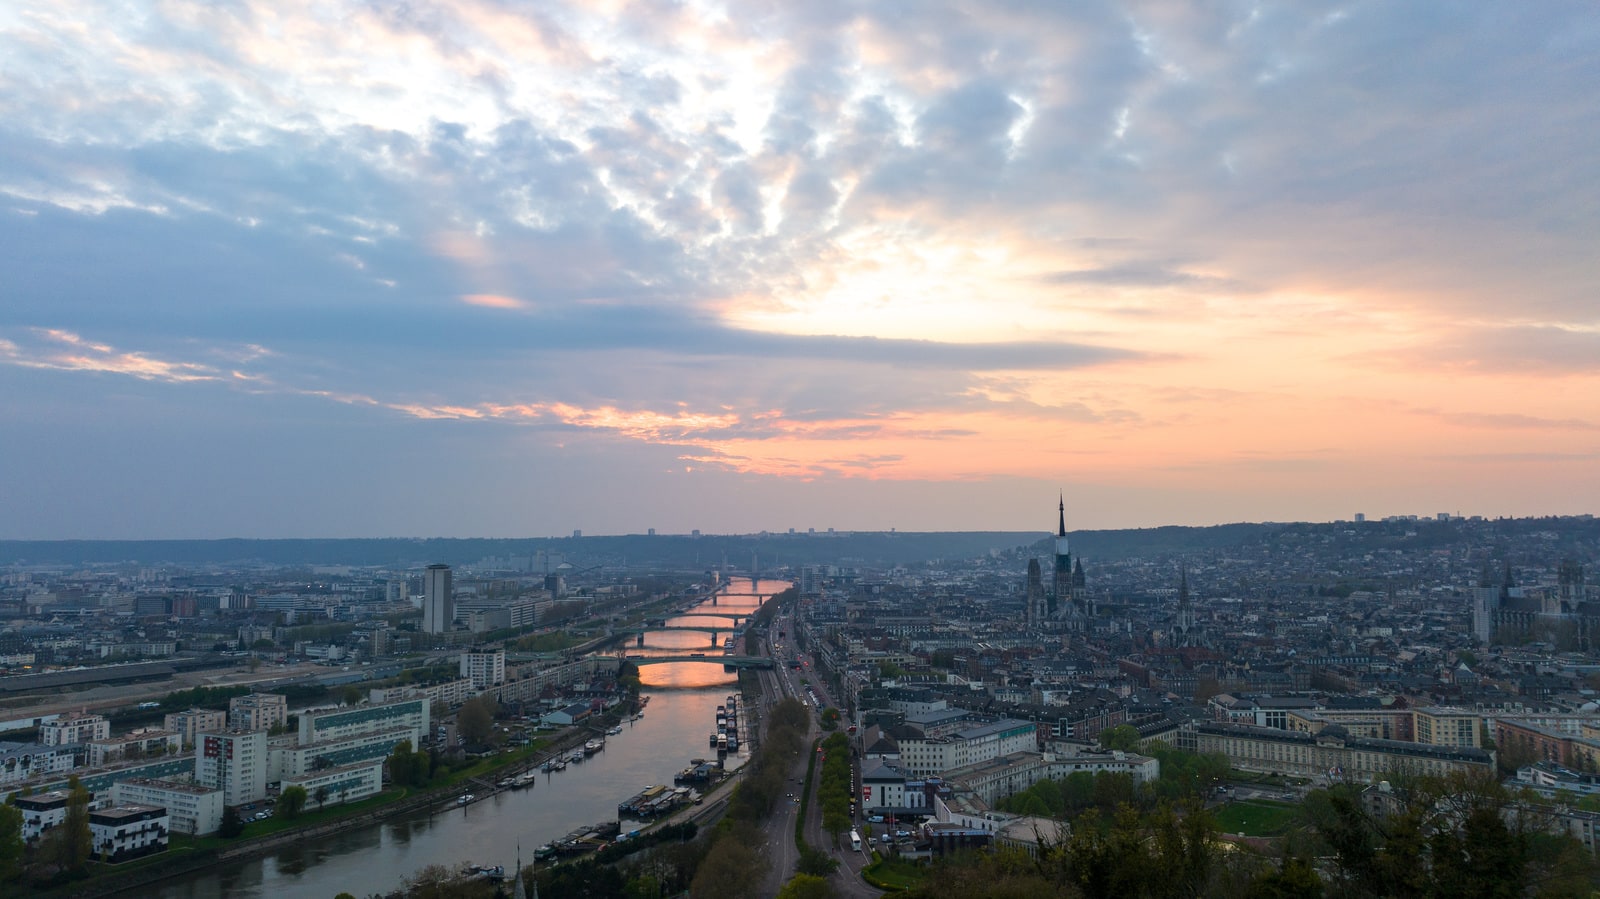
895 873
1256 819
555 641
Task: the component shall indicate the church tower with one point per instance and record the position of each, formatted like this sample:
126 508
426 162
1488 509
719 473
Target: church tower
1066 606
1184 632
1038 608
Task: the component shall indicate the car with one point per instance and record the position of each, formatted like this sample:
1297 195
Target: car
262 816
875 819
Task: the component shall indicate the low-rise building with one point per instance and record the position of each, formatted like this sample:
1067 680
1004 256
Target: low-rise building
1333 753
994 779
126 832
192 722
26 761
137 745
191 808
77 729
336 724
335 786
965 746
41 812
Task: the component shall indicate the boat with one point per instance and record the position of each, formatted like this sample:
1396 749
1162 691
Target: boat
593 746
722 742
614 730
575 755
527 779
465 798
545 852
494 873
713 741
638 805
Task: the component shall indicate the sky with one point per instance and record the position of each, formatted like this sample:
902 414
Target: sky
473 268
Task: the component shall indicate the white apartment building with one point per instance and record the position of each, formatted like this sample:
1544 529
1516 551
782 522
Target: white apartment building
258 711
192 809
334 786
81 729
41 812
992 780
337 724
192 722
287 760
126 832
142 744
234 762
484 668
966 746
25 761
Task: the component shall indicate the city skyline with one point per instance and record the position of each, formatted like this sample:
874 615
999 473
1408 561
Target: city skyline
469 270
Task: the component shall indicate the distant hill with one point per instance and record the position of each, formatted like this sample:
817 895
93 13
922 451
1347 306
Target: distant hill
771 551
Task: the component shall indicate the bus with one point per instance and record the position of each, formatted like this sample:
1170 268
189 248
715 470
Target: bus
855 840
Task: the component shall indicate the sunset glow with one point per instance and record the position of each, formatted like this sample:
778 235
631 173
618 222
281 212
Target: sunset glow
634 263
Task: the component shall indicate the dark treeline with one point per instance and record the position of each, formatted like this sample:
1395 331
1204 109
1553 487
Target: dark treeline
1427 838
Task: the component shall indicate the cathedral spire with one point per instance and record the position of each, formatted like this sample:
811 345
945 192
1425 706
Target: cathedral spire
1061 529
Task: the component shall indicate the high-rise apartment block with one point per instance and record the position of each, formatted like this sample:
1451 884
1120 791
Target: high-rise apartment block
234 762
485 668
438 600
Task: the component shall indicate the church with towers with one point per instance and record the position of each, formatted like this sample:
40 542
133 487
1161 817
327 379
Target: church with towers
1066 605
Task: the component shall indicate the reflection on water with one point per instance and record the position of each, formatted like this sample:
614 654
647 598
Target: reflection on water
683 699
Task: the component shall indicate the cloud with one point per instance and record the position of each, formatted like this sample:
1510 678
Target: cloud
492 301
65 351
911 240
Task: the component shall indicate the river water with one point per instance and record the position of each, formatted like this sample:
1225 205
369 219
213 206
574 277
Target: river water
680 715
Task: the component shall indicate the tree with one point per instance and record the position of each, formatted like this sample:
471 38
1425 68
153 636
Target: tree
322 795
290 802
11 845
1124 737
815 861
475 722
731 870
806 886
76 840
232 825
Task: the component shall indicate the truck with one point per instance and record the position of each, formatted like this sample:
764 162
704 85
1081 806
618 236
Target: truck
149 705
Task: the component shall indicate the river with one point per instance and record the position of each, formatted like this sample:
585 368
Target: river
681 712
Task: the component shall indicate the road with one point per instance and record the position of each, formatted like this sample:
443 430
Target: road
778 831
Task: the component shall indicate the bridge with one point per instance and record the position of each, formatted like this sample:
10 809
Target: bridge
735 617
725 661
704 629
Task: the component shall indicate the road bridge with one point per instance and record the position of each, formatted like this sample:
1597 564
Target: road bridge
725 661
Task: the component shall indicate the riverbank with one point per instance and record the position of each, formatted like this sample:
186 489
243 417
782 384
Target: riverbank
192 855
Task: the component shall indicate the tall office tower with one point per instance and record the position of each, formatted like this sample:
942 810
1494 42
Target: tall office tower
438 602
